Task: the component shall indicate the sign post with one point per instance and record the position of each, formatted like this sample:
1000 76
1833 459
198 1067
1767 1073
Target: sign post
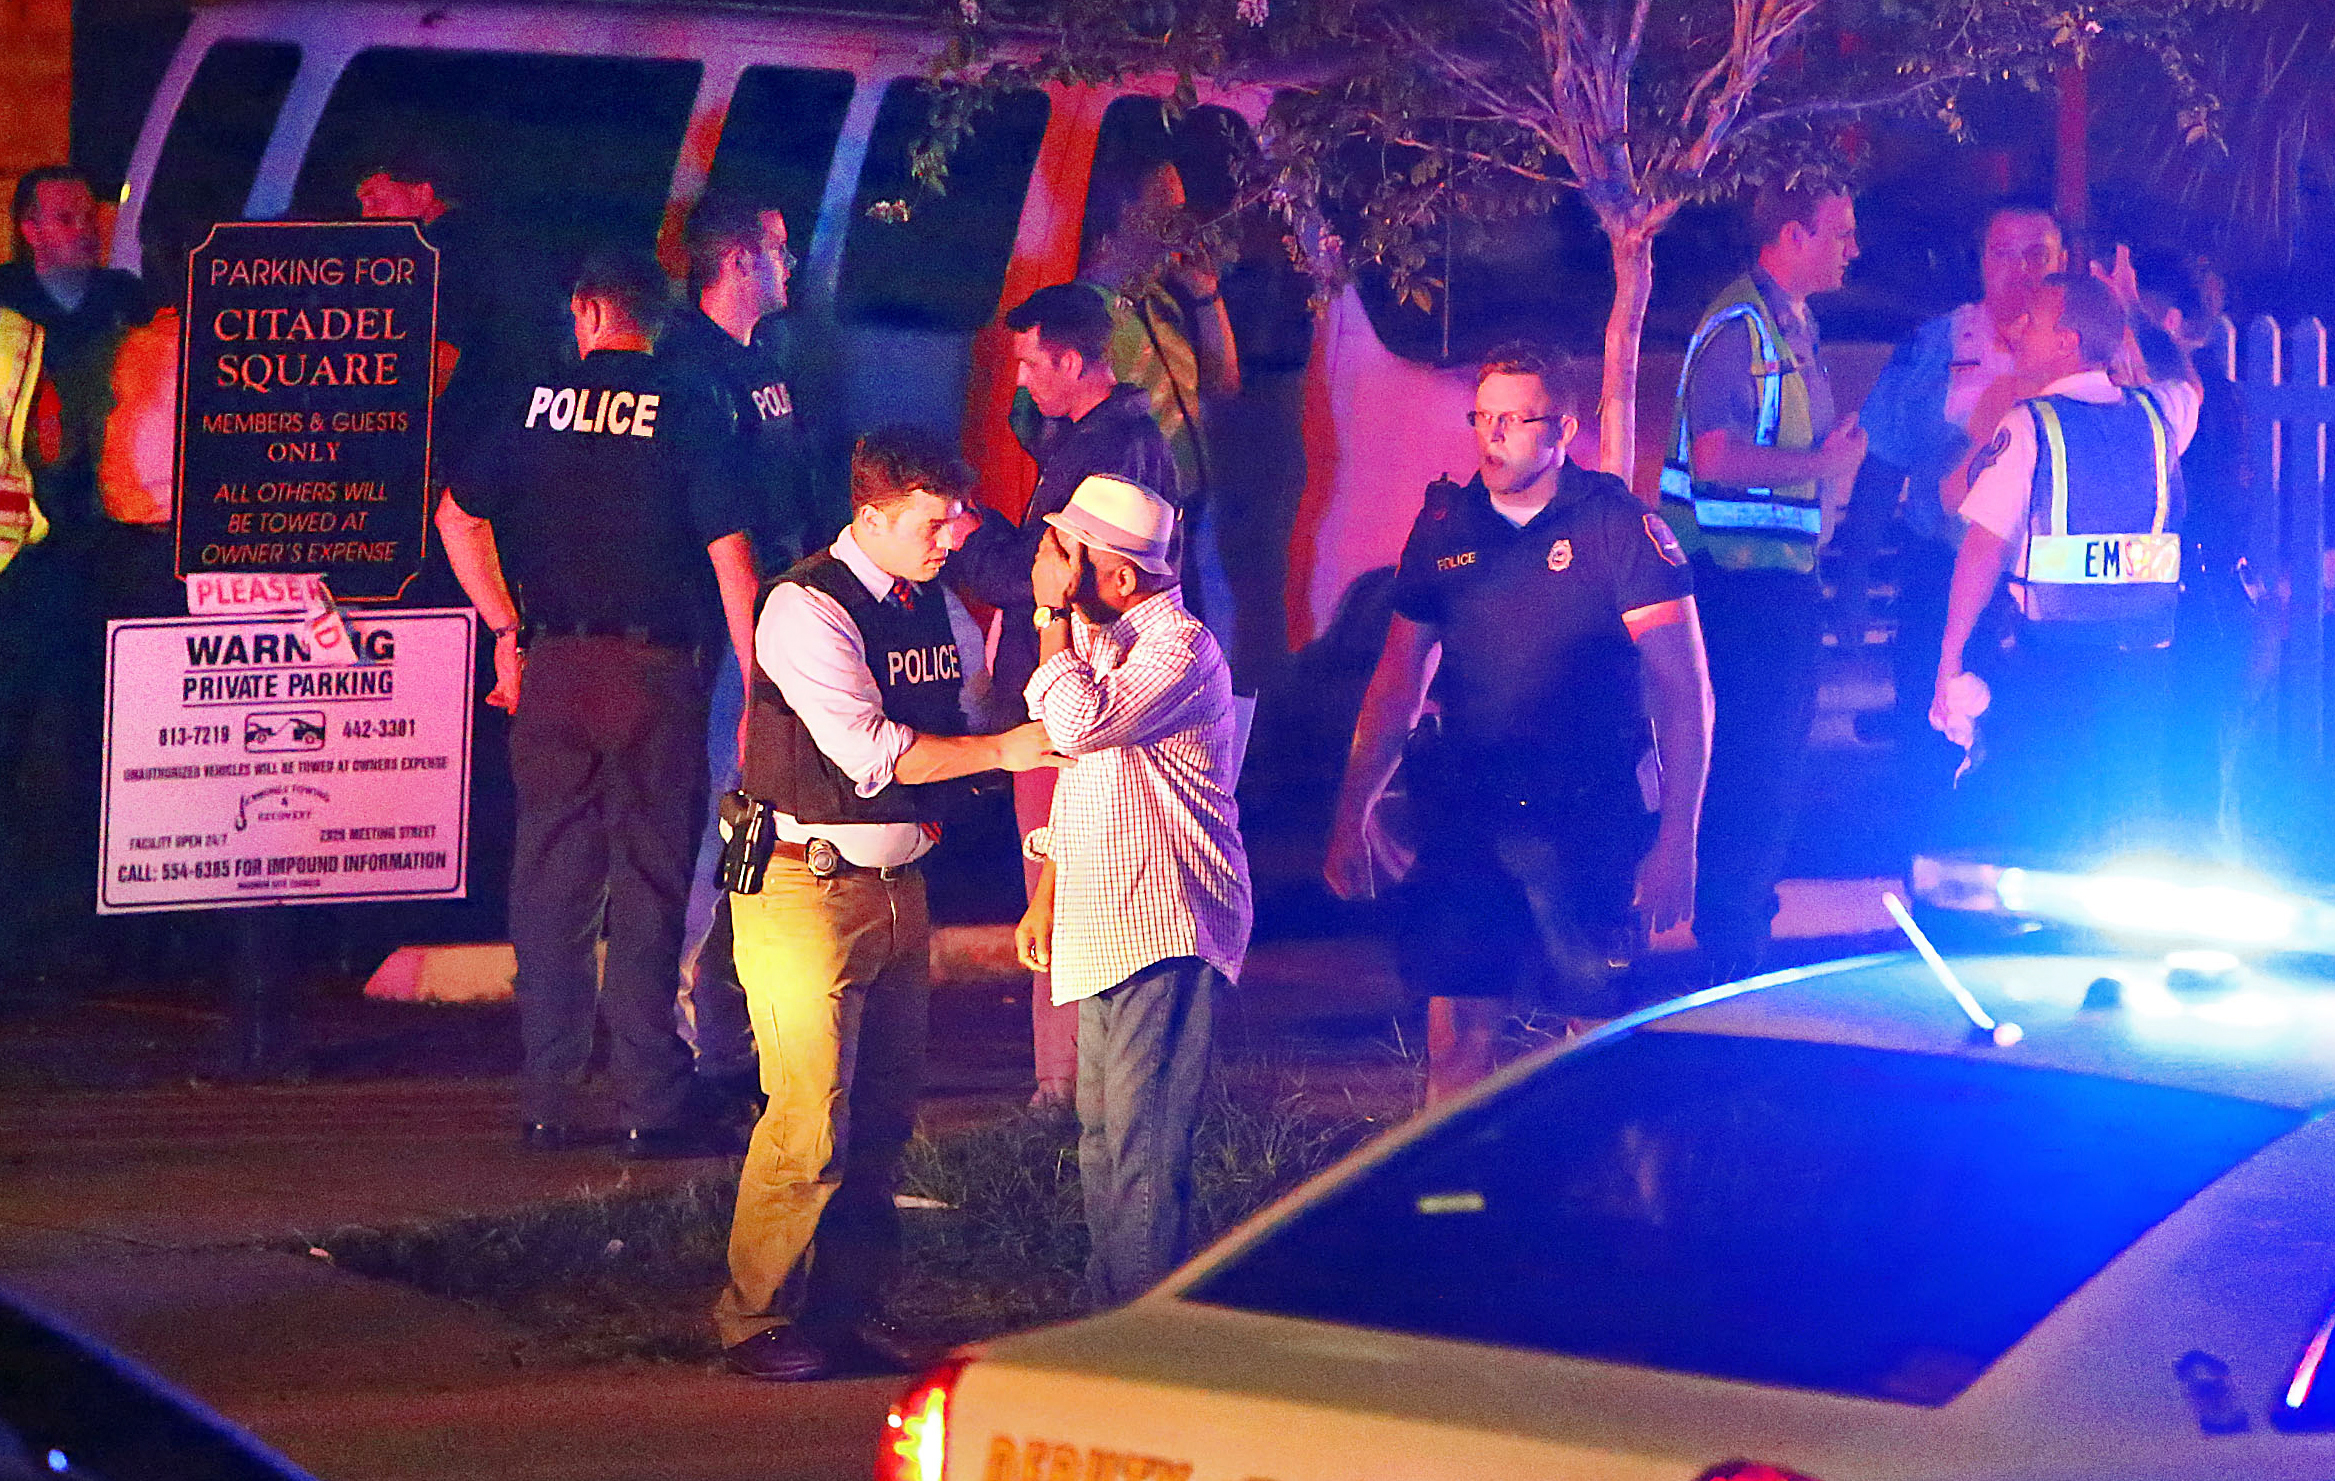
304 422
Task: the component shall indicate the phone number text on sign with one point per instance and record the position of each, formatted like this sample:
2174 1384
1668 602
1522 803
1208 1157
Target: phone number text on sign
244 769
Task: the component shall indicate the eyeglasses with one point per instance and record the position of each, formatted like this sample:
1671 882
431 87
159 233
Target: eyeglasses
1504 423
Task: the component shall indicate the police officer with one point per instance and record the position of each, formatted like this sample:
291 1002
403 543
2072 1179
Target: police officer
857 728
2078 495
603 495
1756 454
741 266
1935 401
1539 597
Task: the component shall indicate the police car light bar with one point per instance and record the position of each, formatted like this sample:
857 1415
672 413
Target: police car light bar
2124 901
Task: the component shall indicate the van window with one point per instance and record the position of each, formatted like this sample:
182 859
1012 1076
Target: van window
211 154
779 141
1263 290
547 157
944 266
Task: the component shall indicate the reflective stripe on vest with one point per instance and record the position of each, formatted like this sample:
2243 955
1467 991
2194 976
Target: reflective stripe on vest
21 520
1793 512
2058 558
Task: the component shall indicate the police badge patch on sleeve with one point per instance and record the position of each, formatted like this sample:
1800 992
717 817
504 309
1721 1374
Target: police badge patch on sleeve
1990 454
1665 542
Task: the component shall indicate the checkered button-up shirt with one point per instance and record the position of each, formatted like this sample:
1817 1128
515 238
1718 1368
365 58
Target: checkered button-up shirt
1144 835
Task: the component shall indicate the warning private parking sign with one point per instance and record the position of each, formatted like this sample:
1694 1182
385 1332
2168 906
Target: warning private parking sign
243 767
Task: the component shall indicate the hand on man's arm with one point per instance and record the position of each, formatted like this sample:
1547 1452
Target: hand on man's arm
939 758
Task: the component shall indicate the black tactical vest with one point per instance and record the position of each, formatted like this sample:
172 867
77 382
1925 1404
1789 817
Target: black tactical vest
913 656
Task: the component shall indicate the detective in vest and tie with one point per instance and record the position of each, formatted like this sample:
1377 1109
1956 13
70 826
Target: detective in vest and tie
2077 497
1757 457
863 726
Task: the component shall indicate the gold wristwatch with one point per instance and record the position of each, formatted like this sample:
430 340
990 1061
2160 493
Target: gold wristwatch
1045 617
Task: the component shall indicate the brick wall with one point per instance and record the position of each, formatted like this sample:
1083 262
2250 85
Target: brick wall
36 80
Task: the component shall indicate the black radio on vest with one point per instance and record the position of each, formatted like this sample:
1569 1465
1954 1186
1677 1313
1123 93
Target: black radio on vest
912 654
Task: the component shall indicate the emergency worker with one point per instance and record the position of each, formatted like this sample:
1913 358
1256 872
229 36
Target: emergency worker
1757 455
866 685
1553 826
732 337
2078 496
607 502
21 621
57 280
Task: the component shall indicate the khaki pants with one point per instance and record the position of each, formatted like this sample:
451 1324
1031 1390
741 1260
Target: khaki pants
836 974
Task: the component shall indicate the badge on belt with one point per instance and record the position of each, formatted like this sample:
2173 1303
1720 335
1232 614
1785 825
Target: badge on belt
822 858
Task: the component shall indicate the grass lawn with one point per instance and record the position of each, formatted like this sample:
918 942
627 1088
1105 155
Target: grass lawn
632 1275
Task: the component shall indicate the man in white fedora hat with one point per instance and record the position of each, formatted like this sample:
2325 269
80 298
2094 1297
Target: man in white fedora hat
1141 913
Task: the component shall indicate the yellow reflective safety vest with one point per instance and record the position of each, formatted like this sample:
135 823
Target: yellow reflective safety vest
1741 529
21 521
2103 522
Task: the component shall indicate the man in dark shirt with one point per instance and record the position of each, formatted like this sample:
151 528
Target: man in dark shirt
1093 424
57 283
1540 597
739 261
53 595
606 500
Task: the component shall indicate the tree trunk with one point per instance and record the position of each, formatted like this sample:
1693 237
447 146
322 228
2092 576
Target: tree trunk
1617 404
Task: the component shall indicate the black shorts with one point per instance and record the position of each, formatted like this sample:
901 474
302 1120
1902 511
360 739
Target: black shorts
1536 914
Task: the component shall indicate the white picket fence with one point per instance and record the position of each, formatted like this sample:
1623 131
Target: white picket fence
2282 383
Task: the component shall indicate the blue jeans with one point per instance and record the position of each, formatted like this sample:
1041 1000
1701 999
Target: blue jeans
1143 1059
711 1007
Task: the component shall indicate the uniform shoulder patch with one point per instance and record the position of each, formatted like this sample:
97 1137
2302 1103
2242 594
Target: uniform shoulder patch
1665 539
1990 454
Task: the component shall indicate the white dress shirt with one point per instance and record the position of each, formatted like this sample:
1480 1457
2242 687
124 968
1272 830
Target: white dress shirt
1144 835
813 652
2004 480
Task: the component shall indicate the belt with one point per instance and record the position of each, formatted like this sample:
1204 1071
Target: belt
833 865
637 632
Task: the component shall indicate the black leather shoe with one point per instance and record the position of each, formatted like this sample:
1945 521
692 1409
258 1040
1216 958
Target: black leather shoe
780 1355
659 1143
545 1136
875 1345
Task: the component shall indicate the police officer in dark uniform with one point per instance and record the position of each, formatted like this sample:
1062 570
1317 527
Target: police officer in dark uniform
2078 496
1552 827
604 496
741 268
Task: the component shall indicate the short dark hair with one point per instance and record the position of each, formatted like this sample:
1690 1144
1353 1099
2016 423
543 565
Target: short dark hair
2087 307
1525 357
890 463
28 187
722 221
411 159
629 279
1776 206
2017 205
1067 316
